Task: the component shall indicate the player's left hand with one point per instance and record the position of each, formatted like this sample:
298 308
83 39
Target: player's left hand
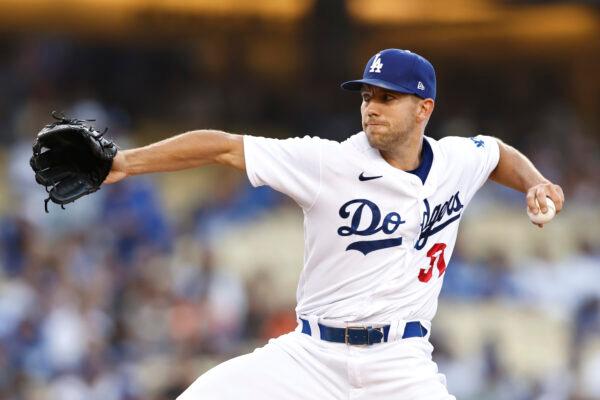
71 159
539 192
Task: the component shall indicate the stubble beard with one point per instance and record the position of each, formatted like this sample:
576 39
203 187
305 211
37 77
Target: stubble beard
390 140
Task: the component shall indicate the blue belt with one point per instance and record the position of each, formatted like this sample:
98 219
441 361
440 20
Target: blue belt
363 335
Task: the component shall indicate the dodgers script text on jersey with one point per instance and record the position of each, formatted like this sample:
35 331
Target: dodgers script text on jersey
377 239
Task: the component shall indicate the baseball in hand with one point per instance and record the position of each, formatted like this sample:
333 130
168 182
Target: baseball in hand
543 218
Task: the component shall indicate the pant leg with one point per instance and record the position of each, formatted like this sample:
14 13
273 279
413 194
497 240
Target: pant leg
398 370
291 367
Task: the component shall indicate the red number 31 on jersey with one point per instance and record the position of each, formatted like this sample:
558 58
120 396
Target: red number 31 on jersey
435 253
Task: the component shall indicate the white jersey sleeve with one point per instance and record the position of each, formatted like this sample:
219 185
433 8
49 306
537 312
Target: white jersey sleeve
478 156
290 166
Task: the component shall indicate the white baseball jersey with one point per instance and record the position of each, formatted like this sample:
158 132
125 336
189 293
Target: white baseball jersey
377 239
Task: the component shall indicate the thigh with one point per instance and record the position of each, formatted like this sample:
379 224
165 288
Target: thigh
403 370
285 369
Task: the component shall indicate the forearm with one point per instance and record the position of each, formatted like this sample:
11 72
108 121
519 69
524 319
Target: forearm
187 150
515 170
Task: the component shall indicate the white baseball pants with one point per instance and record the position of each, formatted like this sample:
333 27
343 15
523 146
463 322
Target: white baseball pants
297 366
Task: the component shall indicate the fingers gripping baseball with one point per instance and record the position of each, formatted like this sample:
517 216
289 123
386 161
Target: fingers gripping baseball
537 200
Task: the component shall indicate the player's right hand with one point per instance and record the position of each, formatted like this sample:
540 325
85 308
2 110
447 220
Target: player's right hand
539 192
118 169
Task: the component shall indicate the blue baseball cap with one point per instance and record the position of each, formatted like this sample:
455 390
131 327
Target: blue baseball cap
398 70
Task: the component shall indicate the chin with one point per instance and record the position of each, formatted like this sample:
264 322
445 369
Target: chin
376 139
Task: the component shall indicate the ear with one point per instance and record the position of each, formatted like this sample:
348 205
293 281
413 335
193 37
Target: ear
424 109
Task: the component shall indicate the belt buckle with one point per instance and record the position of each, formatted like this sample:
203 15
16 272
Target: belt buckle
359 328
354 328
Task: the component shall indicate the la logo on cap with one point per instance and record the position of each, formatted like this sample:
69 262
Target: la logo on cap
377 64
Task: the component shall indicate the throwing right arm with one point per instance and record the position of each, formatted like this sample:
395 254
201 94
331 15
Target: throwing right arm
187 150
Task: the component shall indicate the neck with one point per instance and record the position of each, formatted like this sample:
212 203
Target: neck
405 155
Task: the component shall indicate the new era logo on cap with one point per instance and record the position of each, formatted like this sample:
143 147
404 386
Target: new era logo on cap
404 72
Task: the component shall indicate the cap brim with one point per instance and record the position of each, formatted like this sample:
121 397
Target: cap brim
355 86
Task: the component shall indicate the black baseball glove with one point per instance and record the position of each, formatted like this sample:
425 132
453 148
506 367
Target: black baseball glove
71 159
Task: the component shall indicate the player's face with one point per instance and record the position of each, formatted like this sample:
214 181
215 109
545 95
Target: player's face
388 117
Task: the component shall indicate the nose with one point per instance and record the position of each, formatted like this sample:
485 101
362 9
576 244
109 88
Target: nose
371 109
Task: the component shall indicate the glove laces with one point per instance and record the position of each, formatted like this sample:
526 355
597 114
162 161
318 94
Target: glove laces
61 119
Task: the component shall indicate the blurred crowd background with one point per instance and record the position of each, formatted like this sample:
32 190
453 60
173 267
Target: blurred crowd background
133 292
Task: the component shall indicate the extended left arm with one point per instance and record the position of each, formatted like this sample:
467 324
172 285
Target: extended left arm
517 172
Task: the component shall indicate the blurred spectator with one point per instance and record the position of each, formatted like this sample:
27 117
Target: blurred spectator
132 213
234 202
209 305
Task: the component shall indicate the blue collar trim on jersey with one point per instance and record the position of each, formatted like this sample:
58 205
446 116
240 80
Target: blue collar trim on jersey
423 169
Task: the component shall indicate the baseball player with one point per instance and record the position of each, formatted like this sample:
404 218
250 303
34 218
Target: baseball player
381 215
